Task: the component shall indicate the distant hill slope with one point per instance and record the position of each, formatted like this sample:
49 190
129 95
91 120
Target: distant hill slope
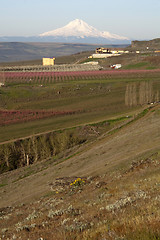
153 44
18 51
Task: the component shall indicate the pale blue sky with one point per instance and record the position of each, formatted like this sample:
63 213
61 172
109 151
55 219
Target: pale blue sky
138 19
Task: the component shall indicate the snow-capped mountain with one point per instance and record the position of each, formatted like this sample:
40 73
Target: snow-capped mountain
76 31
81 30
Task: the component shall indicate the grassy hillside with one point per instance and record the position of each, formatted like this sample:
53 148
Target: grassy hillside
132 61
108 189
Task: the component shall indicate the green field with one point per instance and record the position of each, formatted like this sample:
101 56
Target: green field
94 100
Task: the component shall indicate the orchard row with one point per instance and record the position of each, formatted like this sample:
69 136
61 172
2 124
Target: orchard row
49 77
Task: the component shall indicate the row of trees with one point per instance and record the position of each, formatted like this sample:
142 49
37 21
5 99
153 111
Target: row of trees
140 93
2 77
25 152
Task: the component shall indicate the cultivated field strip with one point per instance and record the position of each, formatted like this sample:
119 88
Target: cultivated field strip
50 77
16 116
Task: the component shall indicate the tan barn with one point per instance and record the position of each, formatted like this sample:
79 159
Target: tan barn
48 61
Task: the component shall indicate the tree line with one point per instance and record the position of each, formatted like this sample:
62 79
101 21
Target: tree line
28 151
140 93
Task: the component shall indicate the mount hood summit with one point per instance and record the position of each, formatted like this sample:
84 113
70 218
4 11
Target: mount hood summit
76 31
80 31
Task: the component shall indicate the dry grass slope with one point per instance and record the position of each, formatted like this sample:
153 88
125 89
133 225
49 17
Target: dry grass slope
108 189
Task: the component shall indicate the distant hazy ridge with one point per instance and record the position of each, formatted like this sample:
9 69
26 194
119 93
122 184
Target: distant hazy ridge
18 51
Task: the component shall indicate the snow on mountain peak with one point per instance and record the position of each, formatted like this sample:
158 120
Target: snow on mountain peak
79 28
